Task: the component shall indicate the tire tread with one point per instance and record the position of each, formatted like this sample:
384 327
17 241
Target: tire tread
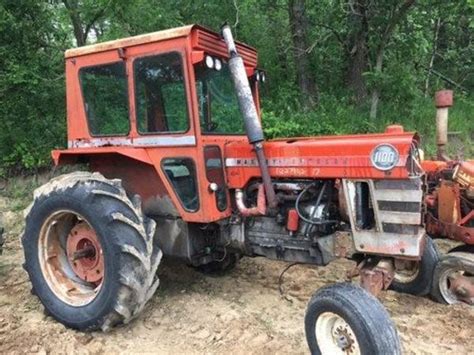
137 274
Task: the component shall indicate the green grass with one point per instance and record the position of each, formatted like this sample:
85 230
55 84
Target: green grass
20 188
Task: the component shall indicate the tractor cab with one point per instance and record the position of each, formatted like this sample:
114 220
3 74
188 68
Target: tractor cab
165 94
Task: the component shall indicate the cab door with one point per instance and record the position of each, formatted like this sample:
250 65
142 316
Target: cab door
163 124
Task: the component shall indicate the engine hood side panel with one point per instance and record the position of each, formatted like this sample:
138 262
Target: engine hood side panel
318 157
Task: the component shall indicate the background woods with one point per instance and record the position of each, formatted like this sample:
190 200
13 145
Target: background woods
334 66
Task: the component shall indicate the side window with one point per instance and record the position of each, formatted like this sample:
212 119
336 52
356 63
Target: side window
215 174
218 106
182 174
160 94
104 89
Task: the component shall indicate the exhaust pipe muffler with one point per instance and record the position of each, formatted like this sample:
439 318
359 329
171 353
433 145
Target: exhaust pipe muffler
443 101
247 107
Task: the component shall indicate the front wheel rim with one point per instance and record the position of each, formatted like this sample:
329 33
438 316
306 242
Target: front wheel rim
335 336
71 258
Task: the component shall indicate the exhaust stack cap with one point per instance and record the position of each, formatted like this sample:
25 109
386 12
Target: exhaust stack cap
444 98
394 129
226 33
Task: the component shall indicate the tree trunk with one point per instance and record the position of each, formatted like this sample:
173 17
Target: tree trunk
376 92
82 27
299 32
357 54
433 55
73 11
379 54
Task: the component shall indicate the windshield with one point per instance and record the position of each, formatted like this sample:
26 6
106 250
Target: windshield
218 108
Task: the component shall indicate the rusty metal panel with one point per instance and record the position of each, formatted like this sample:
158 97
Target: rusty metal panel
399 195
400 217
449 209
390 235
151 141
130 41
396 244
212 43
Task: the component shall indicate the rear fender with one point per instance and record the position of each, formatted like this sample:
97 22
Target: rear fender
136 170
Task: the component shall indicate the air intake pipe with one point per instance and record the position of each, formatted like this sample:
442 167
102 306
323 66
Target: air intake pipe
247 107
443 101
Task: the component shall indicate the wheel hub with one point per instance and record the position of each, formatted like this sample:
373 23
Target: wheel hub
456 280
72 264
335 336
462 286
343 338
85 254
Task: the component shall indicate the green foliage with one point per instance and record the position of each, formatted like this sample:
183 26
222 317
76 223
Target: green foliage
32 100
338 117
34 35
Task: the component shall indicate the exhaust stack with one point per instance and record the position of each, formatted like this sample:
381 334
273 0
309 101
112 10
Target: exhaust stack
247 107
443 101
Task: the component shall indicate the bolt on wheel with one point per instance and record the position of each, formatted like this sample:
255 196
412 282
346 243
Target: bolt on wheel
71 258
335 336
89 251
345 319
454 279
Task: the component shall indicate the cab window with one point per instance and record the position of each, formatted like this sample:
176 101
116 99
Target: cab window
181 172
219 111
160 94
104 89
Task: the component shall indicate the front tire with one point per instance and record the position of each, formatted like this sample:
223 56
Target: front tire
89 251
416 277
343 318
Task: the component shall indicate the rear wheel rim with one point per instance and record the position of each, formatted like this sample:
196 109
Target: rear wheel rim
446 288
71 258
335 336
406 271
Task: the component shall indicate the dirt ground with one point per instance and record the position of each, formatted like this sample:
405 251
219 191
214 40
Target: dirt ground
242 312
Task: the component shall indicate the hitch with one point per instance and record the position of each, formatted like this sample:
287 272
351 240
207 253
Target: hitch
374 277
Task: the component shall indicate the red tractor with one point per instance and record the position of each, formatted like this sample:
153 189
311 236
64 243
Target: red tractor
449 202
169 125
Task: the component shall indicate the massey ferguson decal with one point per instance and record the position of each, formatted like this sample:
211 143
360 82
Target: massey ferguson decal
384 157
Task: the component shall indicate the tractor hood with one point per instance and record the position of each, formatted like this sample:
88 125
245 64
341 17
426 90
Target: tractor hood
368 156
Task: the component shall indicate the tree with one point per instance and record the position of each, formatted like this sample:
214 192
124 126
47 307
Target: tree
304 73
396 14
84 15
362 52
32 109
356 49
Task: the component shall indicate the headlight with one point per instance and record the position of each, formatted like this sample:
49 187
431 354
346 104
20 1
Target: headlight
209 62
217 64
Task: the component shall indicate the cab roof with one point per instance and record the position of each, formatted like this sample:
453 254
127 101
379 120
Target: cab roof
202 33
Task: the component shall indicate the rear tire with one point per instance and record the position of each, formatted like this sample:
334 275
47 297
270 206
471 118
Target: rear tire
463 248
343 318
453 265
124 240
417 280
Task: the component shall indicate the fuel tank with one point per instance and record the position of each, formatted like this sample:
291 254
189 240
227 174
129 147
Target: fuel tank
366 156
